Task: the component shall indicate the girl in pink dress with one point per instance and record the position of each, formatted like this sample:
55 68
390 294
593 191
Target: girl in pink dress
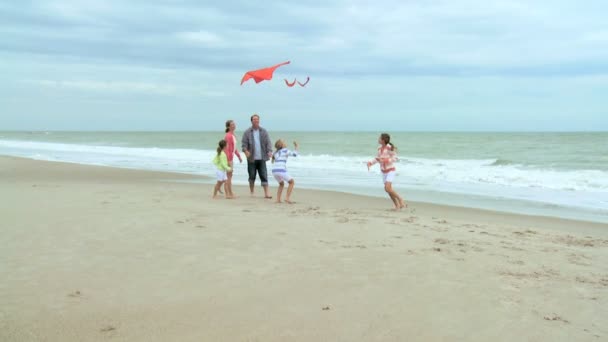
231 150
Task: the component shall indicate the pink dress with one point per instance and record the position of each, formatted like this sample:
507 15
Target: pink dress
231 149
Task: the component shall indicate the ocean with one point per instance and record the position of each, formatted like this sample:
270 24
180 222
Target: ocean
550 174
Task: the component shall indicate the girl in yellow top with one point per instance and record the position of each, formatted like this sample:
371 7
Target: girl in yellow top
221 163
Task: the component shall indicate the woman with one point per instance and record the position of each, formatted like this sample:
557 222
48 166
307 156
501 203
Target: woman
231 150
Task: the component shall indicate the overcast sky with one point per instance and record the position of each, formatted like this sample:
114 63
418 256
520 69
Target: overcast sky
374 65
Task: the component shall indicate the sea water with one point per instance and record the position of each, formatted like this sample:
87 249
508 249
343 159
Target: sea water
552 174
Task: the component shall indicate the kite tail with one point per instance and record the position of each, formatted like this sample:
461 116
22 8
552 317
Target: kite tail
303 84
290 84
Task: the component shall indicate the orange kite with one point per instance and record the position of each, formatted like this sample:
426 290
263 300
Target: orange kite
261 74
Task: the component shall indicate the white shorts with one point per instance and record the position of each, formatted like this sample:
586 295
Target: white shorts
221 175
389 176
282 176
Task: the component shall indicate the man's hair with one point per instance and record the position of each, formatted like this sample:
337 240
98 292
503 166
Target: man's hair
254 115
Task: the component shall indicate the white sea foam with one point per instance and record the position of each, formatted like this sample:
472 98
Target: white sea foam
480 177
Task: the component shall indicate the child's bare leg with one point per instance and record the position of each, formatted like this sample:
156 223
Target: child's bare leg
289 190
388 187
399 204
402 203
279 191
395 200
216 188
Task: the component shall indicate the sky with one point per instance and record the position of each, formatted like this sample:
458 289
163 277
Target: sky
403 65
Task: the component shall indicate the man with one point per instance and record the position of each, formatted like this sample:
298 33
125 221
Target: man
257 147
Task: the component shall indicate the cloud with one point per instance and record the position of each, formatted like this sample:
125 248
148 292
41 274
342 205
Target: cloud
203 37
596 36
122 87
469 37
388 56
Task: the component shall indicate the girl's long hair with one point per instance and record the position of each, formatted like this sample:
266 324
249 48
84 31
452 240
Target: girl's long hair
220 146
387 140
277 145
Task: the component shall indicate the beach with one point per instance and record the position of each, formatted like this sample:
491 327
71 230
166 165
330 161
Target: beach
91 253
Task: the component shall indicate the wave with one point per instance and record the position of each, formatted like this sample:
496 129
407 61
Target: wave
502 162
487 177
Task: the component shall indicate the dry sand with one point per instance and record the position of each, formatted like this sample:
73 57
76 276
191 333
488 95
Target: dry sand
94 254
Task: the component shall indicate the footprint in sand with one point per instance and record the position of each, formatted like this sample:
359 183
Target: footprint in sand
342 220
555 317
570 240
75 294
598 281
348 212
107 328
410 219
579 259
356 246
307 211
516 262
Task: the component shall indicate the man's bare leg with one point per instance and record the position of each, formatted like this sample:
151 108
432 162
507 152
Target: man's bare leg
266 194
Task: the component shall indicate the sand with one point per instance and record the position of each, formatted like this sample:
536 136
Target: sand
93 254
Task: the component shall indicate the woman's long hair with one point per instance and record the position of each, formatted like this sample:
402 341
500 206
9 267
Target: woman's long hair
228 125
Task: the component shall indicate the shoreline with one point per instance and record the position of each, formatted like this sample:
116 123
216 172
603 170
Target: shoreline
94 253
427 197
589 215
